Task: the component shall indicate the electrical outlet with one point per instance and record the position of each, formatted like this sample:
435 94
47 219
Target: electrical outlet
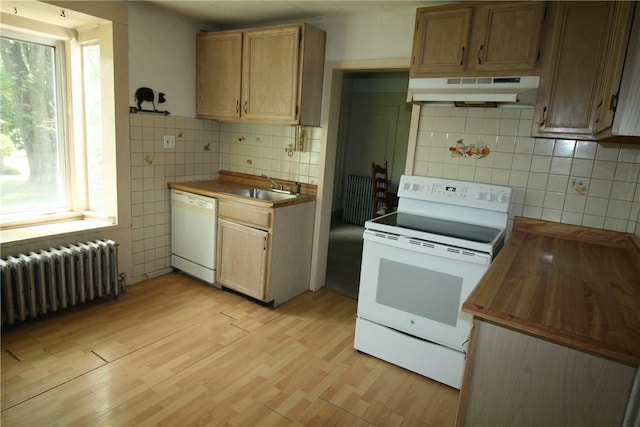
169 141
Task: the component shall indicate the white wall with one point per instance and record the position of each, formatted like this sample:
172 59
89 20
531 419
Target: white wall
162 56
368 35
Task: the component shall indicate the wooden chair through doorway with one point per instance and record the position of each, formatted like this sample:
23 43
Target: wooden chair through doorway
380 188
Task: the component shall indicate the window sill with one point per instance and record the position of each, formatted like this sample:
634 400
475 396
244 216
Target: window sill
51 229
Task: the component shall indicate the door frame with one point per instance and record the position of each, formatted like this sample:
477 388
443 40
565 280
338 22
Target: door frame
330 120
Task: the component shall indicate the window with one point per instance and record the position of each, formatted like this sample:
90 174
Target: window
51 167
33 164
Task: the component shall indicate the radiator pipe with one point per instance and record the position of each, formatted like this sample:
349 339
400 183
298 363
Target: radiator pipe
123 282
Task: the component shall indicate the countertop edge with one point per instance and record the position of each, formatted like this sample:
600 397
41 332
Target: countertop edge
217 188
552 335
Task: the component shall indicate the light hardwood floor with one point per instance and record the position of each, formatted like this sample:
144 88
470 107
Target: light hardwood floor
173 351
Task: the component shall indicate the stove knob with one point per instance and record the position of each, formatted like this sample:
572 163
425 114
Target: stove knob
491 197
502 198
481 196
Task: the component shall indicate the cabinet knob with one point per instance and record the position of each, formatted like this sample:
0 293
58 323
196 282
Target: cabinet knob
244 107
237 106
613 102
598 109
462 56
479 52
544 116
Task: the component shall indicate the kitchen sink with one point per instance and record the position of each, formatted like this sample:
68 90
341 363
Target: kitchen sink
262 194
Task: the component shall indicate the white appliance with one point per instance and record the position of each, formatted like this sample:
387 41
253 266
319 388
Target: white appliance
419 264
193 234
475 91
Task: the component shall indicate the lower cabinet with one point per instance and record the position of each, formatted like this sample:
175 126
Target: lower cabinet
265 253
242 260
516 379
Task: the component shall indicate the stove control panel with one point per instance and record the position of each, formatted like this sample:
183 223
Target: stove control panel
441 190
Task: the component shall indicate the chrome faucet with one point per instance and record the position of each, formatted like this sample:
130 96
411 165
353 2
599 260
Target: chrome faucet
273 183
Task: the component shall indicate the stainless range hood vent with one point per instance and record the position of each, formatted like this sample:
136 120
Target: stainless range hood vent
475 91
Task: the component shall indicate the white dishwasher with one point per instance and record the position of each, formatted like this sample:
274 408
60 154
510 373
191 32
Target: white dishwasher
193 234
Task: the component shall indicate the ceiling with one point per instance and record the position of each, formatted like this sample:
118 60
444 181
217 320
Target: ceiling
238 13
222 14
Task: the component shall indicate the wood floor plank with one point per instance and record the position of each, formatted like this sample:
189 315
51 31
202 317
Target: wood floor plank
178 352
38 372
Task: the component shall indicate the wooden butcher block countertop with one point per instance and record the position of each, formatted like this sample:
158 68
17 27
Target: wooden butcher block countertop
572 285
235 181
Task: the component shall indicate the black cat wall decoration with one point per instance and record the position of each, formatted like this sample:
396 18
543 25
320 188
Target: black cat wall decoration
146 94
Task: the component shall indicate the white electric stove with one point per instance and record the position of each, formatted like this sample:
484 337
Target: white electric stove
419 264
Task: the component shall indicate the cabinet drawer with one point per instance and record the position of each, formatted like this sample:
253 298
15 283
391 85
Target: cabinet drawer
250 215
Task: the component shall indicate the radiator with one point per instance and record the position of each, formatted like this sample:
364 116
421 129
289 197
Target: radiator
50 280
358 200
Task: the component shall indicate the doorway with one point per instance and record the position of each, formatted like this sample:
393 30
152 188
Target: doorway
373 126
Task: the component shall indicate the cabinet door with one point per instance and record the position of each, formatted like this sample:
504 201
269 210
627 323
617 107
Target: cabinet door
218 73
515 379
607 100
440 41
506 36
270 74
242 259
570 86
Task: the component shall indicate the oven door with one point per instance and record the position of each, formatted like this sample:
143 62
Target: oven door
418 287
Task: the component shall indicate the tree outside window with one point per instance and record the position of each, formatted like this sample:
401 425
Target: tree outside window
31 157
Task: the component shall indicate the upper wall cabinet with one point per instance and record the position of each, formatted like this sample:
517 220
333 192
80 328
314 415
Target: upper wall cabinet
620 94
507 36
440 41
478 39
218 74
268 75
579 87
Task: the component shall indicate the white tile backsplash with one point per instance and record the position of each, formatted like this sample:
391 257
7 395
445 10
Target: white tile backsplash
562 180
564 148
582 167
540 164
608 151
627 172
195 156
543 147
586 149
557 183
261 149
538 181
560 165
551 215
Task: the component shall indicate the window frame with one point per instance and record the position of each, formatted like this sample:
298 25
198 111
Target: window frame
72 137
87 179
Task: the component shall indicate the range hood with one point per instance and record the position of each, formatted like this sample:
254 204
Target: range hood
475 91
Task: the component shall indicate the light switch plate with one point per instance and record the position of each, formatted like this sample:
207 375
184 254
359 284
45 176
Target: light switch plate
169 141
